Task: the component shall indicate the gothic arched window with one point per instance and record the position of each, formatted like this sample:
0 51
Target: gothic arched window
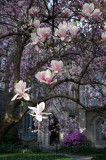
98 129
26 127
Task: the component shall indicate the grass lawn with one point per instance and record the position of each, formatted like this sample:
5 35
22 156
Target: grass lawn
42 156
99 158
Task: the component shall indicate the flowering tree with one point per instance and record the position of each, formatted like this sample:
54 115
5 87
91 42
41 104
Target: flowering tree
38 39
74 138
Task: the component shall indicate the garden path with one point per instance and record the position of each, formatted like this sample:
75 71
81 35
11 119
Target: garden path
76 157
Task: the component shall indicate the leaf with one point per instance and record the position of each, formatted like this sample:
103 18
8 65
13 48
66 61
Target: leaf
75 23
30 77
35 29
49 42
22 102
52 72
45 44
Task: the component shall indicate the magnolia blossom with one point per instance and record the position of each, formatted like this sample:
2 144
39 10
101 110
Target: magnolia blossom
61 31
36 23
35 40
67 11
20 89
82 19
43 33
33 11
82 130
40 76
104 36
87 9
73 30
96 13
45 77
20 3
38 111
56 65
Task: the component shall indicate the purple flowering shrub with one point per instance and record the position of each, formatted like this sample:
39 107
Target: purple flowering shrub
73 138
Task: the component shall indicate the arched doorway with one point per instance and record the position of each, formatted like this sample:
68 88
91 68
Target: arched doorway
54 131
26 129
98 129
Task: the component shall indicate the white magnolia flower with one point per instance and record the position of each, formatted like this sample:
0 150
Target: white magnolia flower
20 89
38 111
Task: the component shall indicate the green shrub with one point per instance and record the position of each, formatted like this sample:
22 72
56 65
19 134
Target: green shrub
34 149
10 148
84 148
6 148
10 139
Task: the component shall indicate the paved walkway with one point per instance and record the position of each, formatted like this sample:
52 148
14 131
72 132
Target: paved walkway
77 157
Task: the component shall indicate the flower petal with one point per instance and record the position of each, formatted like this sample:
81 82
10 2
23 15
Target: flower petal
26 96
40 107
33 108
45 117
27 89
39 117
54 81
46 113
14 97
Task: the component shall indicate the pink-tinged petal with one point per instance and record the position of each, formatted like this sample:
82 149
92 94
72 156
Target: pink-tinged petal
62 38
36 23
48 76
73 30
67 11
19 97
17 88
40 76
46 113
40 107
87 9
91 7
26 96
96 13
56 32
86 5
14 97
37 48
44 117
54 81
43 33
56 65
104 36
62 33
27 89
33 115
39 118
22 85
33 36
33 108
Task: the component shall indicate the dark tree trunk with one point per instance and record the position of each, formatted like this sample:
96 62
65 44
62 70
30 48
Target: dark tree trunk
4 128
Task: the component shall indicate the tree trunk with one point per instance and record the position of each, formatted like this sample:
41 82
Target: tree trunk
4 128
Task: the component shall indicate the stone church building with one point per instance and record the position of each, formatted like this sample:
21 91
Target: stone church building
92 123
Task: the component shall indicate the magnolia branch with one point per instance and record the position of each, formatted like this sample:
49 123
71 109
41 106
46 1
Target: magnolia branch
61 96
13 34
76 82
